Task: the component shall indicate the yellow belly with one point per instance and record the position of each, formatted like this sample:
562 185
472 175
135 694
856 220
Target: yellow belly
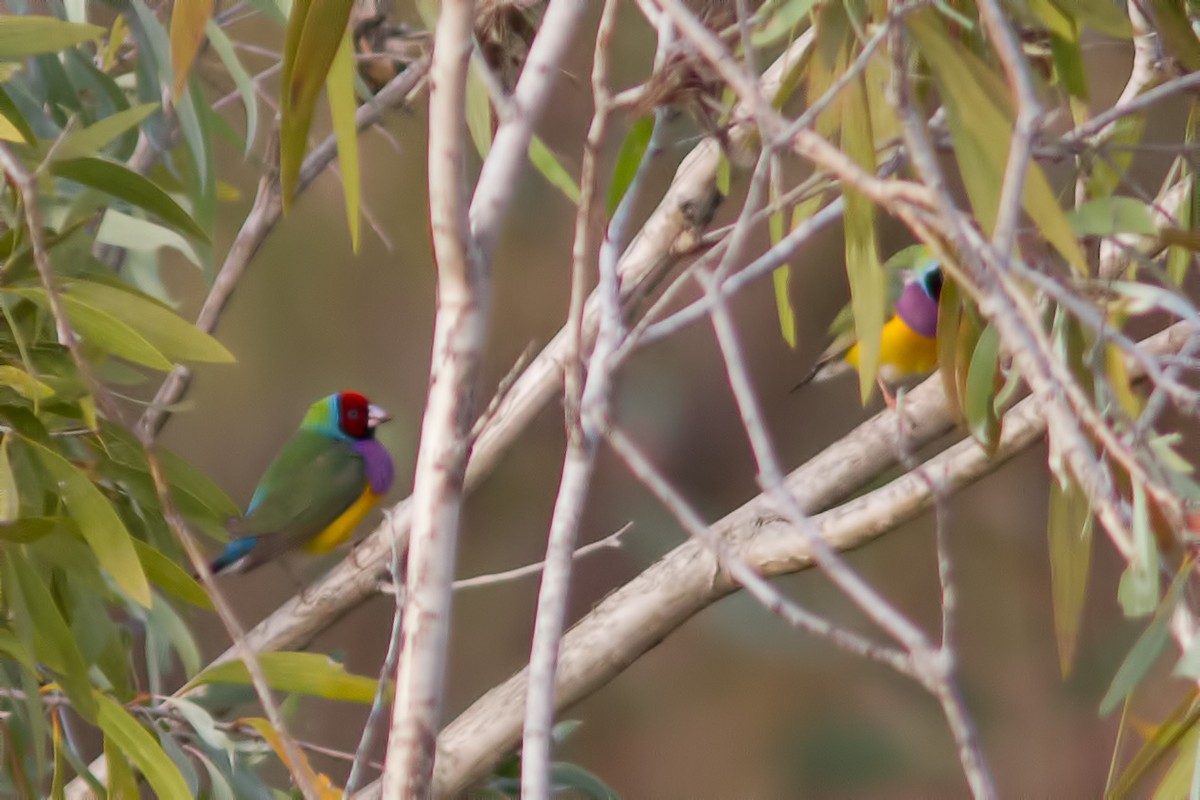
340 529
902 351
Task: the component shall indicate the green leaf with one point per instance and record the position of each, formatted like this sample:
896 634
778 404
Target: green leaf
141 748
314 33
1138 590
88 141
224 49
1177 780
576 780
31 35
143 236
10 498
120 781
125 184
99 524
339 86
23 383
1108 216
949 323
784 23
38 618
28 529
311 674
103 330
545 162
981 119
1145 650
164 329
868 282
166 574
629 159
1103 16
9 110
479 111
1069 533
983 379
1175 30
188 21
13 648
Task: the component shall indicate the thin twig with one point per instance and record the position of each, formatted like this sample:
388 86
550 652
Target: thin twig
610 542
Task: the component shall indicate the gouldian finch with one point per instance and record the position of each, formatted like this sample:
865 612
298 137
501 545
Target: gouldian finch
908 341
320 486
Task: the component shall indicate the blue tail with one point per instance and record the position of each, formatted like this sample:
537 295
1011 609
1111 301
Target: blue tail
235 551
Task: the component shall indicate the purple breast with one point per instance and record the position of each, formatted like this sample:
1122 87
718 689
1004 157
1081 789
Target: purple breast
379 465
918 310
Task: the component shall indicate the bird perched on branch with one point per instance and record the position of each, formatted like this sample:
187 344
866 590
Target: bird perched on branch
908 341
320 486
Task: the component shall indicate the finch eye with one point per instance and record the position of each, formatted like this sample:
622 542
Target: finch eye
353 414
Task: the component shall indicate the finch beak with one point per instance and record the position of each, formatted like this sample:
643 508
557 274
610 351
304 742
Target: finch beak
376 416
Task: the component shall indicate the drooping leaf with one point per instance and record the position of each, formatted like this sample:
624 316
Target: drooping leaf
1069 532
339 86
1146 649
104 330
979 400
786 21
120 780
164 329
1163 738
14 117
868 283
125 184
169 576
1101 15
479 111
38 619
545 162
98 522
88 141
314 33
141 235
319 781
579 782
1108 216
981 120
781 277
10 499
33 34
312 674
1138 591
629 159
141 748
188 21
1175 29
223 47
948 324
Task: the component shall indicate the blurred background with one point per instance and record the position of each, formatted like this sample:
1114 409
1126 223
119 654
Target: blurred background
734 703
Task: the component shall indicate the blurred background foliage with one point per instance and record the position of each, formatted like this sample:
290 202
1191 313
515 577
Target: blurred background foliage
101 623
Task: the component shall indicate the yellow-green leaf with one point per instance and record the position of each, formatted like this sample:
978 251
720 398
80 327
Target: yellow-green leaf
188 20
479 111
948 324
163 328
120 781
223 47
629 160
339 86
311 674
980 117
787 21
868 283
315 31
979 399
23 383
37 618
168 575
1108 216
105 331
1069 533
1146 649
545 162
90 140
141 748
10 499
33 34
98 522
